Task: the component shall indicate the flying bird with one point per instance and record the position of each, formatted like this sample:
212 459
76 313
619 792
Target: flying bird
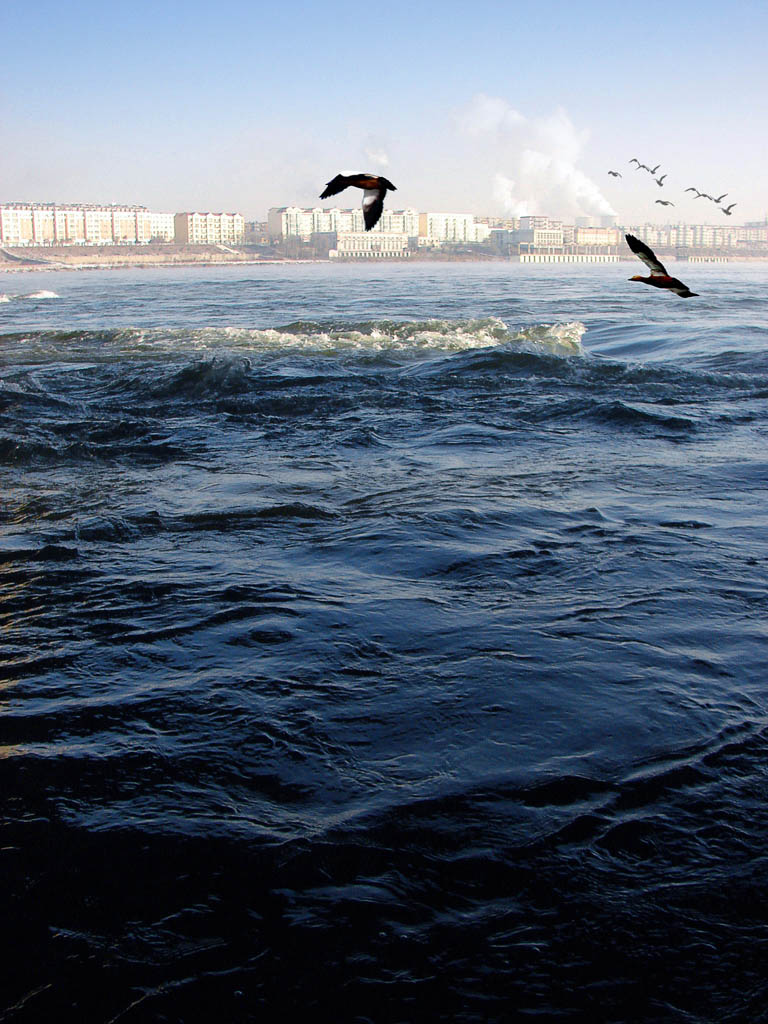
374 189
696 191
634 160
727 209
720 198
659 277
664 202
653 170
614 174
660 181
703 195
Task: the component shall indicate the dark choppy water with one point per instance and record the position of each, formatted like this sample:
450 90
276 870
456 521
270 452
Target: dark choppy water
384 644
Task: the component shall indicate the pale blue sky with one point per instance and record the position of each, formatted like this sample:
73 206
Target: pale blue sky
485 107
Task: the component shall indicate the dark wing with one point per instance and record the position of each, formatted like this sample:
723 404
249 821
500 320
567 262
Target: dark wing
336 185
373 206
646 254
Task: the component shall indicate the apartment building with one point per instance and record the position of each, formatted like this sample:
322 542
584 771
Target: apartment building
209 228
436 229
297 222
86 224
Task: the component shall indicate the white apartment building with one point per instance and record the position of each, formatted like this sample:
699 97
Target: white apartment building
693 236
431 229
209 228
51 224
297 222
436 229
596 236
541 238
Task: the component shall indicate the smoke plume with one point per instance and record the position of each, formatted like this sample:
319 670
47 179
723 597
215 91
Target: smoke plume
533 159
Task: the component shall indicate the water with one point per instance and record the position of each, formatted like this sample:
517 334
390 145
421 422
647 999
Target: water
384 644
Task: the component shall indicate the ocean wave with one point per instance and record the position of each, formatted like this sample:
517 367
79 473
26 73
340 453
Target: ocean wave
374 338
42 294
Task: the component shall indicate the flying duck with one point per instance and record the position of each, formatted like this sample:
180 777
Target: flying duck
374 188
614 174
659 277
660 181
692 189
664 202
727 209
720 198
653 170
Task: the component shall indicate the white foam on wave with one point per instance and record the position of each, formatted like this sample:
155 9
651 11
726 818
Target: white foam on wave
416 337
44 294
406 338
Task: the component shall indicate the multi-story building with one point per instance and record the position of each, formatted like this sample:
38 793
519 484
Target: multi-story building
370 245
436 229
87 224
209 228
297 222
596 236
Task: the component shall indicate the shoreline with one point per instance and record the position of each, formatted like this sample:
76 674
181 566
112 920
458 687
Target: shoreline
109 259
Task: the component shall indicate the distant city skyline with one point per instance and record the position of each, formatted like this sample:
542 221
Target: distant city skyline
491 110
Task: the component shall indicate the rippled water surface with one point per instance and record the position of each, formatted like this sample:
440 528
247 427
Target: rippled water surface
384 644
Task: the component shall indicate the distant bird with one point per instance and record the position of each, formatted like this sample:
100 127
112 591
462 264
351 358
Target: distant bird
660 181
634 160
727 209
664 202
703 195
720 198
659 277
614 174
374 188
654 169
698 194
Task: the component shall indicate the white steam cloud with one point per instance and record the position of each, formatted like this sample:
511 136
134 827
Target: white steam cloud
535 160
377 156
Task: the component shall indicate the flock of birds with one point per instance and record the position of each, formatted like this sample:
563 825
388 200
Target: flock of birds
376 187
653 171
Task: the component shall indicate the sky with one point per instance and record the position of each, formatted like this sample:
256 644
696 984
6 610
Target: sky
493 108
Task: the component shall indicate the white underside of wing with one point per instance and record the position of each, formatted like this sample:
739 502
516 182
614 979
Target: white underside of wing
370 196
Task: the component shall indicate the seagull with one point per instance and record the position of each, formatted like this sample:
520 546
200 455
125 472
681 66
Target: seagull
664 202
374 188
654 169
659 277
720 198
634 160
696 191
660 181
614 174
727 209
